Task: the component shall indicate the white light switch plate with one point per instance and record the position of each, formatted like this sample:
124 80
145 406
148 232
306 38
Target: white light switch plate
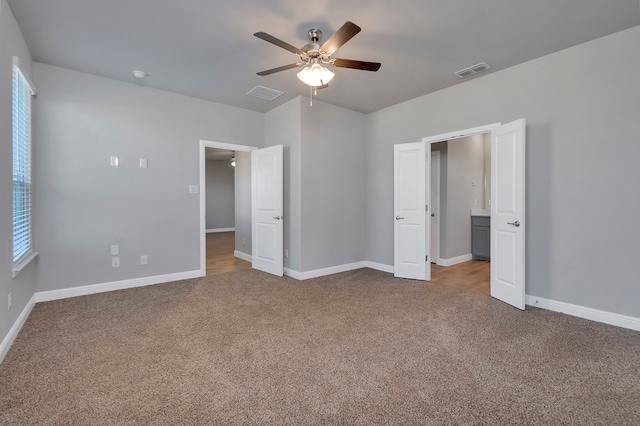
143 163
115 249
193 189
114 161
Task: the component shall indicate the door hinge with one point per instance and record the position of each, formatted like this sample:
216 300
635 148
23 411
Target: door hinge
426 258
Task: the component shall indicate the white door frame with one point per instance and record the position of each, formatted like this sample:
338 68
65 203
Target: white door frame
203 145
451 136
435 257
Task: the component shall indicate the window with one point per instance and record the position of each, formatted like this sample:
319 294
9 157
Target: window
23 90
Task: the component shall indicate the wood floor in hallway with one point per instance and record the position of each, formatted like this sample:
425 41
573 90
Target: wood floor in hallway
220 258
473 275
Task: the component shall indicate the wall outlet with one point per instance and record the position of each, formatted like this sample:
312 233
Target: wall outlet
143 259
286 253
115 262
9 302
115 250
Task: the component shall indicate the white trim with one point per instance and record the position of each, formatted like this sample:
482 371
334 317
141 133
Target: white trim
23 263
203 145
243 256
379 266
16 327
461 133
455 260
214 230
324 271
610 318
64 293
227 146
436 156
17 62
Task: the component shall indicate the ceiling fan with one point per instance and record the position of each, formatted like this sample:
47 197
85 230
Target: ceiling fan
313 55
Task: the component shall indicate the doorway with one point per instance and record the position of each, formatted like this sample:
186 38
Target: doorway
412 220
242 220
460 181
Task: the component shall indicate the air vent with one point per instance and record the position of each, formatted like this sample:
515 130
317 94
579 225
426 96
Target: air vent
264 93
482 66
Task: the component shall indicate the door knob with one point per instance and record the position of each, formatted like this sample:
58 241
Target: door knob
276 217
399 218
433 215
516 223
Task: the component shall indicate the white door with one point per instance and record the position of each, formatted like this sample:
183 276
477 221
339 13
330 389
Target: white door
410 185
433 206
507 213
267 209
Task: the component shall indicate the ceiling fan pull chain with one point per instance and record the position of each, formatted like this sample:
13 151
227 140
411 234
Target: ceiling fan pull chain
310 96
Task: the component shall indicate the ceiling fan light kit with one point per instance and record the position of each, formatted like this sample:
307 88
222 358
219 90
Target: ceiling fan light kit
315 75
312 56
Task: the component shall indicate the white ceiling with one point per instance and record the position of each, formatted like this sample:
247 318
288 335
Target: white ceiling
206 48
215 154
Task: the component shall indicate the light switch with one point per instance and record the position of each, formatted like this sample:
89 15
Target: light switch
193 189
114 161
143 163
115 250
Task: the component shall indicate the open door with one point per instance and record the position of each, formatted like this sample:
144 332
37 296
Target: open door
411 220
507 213
267 209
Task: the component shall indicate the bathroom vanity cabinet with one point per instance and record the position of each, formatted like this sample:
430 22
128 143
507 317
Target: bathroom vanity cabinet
481 237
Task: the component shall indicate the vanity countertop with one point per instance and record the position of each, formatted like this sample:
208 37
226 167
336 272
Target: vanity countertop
480 212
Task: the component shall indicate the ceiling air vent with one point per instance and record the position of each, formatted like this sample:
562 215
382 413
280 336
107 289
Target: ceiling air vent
474 69
264 93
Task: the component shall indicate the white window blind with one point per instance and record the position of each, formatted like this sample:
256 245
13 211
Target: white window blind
22 93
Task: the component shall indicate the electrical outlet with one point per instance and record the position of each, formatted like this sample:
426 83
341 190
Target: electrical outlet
143 259
9 302
115 262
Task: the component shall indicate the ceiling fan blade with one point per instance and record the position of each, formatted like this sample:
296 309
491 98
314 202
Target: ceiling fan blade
282 68
358 65
271 39
340 37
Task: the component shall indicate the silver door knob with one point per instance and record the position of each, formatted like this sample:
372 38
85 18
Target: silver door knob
516 223
276 217
399 217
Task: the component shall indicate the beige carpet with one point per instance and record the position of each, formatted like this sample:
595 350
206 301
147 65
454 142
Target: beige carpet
354 348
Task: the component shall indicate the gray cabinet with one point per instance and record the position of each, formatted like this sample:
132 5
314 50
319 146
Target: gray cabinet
481 237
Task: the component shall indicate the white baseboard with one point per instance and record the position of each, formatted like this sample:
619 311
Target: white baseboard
610 318
243 256
16 327
209 231
455 260
45 296
324 271
379 266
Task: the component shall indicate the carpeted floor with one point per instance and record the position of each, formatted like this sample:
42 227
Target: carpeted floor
354 348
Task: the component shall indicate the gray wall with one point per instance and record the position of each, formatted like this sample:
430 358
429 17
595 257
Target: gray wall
242 187
333 186
22 286
84 205
282 126
464 166
219 182
582 149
